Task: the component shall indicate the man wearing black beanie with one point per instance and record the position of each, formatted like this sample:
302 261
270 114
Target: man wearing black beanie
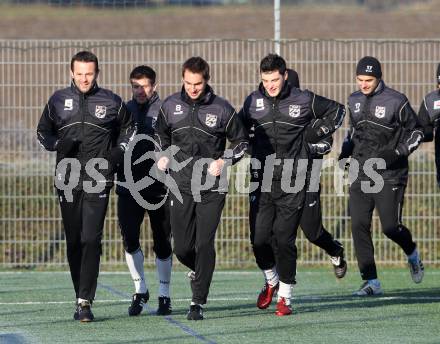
369 66
429 113
382 125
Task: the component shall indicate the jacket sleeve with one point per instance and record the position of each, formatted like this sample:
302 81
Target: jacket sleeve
127 128
236 133
329 115
413 132
46 129
426 123
348 144
247 123
162 131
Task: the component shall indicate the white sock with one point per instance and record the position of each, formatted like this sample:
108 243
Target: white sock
285 291
163 267
81 300
135 263
193 304
271 276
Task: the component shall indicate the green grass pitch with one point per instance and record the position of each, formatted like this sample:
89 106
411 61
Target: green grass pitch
37 307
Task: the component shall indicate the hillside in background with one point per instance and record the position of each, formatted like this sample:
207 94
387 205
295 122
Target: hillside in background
304 20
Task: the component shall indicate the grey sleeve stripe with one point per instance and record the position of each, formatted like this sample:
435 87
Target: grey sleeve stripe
313 105
120 107
48 110
230 119
68 125
424 102
400 112
163 115
160 142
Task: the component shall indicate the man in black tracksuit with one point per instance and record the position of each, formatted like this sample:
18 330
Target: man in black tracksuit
89 128
144 108
198 122
311 218
429 114
284 121
382 125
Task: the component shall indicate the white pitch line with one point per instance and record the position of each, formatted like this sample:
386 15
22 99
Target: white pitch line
235 272
296 300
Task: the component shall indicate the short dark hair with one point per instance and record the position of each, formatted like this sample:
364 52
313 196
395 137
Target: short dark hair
196 65
271 63
85 56
143 71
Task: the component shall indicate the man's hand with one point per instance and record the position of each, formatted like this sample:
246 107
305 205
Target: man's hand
390 156
163 163
315 134
216 167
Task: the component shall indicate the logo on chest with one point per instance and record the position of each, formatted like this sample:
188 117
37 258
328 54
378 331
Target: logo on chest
437 105
68 105
100 111
357 107
178 110
380 111
294 110
259 104
211 120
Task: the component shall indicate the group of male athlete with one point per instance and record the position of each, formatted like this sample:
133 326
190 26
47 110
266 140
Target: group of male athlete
181 143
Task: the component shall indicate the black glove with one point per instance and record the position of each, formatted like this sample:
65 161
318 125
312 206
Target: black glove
116 157
67 146
312 149
315 134
390 156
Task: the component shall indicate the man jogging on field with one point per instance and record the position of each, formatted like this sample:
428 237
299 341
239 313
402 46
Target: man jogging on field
284 121
144 108
382 126
198 122
90 129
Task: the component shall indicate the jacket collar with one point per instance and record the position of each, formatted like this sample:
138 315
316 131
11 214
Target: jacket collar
154 98
205 98
285 91
92 90
379 89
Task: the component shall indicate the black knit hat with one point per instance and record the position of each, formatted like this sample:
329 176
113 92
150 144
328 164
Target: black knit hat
438 74
369 65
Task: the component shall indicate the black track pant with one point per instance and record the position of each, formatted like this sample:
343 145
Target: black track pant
389 203
274 218
311 224
83 221
194 225
130 217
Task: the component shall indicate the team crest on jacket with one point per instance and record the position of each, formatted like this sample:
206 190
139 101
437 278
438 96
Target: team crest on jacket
437 105
100 111
68 104
211 120
380 112
294 110
259 104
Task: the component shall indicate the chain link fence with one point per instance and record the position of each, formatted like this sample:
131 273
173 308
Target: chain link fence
31 232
